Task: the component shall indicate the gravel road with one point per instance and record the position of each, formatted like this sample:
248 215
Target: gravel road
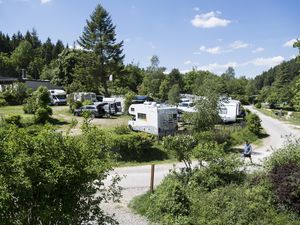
136 179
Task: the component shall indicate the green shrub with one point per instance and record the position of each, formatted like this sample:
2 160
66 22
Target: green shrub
254 123
284 172
42 115
74 105
243 205
132 146
122 129
49 178
222 169
2 100
169 203
87 102
13 119
181 147
240 136
258 105
39 99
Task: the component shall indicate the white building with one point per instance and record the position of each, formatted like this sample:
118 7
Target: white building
153 118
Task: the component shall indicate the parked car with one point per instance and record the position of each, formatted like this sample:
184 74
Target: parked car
96 111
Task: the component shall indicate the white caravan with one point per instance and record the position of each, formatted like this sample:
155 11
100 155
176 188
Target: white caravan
58 97
186 106
82 96
229 110
153 118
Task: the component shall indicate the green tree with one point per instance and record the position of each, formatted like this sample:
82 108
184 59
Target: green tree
99 36
154 76
49 178
207 114
7 67
22 55
174 94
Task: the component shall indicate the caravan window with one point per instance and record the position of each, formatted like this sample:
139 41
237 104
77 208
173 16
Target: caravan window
132 109
223 110
142 116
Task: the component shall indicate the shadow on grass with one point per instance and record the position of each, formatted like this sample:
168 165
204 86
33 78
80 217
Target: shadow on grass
55 121
263 135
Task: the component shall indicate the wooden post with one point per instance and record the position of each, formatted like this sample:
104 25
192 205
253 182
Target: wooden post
152 178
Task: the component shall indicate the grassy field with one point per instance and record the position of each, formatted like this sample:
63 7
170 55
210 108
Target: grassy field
293 119
63 118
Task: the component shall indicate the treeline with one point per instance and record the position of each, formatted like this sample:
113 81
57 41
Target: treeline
28 53
98 66
279 85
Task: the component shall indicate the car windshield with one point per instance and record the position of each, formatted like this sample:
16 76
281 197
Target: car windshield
61 96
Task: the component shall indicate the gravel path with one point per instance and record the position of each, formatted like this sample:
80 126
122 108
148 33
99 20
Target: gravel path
136 180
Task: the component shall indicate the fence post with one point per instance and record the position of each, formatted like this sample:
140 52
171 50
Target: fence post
152 178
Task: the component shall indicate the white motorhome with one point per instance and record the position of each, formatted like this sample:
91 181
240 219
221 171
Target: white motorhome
82 96
229 110
153 118
58 97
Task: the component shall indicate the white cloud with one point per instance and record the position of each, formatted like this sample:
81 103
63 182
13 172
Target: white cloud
289 43
272 61
218 50
45 1
238 44
215 67
196 9
209 20
187 62
213 50
258 50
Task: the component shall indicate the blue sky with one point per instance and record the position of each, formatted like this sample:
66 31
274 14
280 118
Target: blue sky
249 35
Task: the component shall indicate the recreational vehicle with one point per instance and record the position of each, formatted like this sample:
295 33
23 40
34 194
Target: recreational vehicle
58 97
82 96
229 110
153 118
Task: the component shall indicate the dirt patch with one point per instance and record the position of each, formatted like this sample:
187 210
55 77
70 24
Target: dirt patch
62 113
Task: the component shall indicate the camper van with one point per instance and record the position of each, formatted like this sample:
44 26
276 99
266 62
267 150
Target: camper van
153 118
58 97
229 110
82 96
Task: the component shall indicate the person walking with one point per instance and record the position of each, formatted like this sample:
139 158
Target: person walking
248 151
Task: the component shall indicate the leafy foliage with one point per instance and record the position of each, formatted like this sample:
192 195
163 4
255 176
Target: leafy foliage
180 146
47 178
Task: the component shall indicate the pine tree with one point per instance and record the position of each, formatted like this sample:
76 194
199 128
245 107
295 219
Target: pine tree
99 36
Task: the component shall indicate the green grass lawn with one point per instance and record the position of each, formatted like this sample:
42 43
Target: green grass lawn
270 112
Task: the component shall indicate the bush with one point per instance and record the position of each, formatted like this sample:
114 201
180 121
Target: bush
181 147
258 105
39 99
42 114
253 123
132 146
241 136
284 172
222 169
169 203
285 182
2 100
74 105
13 119
87 102
243 205
123 129
48 178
